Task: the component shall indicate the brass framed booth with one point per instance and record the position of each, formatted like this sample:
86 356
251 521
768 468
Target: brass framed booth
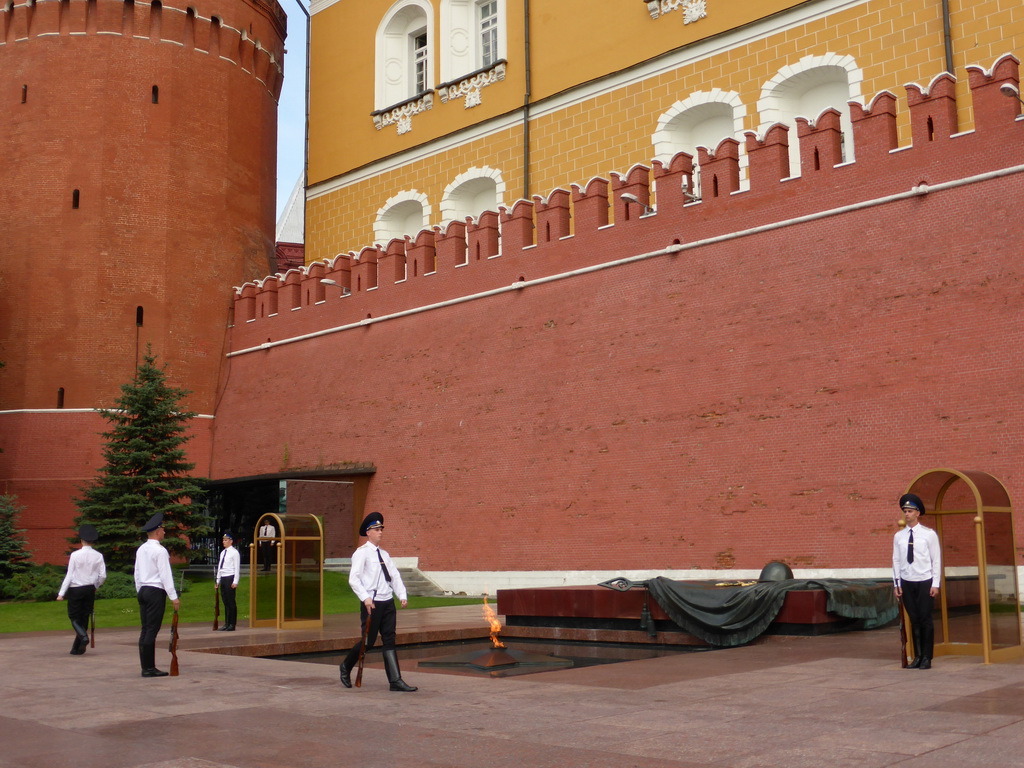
977 612
290 595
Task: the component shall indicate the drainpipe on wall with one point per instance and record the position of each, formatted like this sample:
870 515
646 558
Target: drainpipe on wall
947 37
526 101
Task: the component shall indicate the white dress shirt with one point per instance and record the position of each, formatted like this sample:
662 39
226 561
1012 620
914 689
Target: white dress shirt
229 565
927 556
367 579
267 531
153 568
86 567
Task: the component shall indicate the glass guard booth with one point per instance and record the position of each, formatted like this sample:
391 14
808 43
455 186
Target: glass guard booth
287 569
977 612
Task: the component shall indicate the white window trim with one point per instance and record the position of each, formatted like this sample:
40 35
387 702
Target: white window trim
665 147
393 67
770 104
459 48
380 236
448 212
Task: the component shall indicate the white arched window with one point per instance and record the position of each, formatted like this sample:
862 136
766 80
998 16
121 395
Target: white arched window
806 89
404 62
472 36
701 120
471 193
404 214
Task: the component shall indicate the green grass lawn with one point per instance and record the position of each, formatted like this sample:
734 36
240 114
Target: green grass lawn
196 606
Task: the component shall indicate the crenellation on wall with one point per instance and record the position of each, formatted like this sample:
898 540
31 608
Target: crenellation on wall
874 126
46 19
821 141
767 156
932 110
552 215
516 226
590 204
720 172
637 183
50 18
450 245
550 228
992 108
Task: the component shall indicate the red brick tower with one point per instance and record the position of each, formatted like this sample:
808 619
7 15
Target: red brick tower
137 187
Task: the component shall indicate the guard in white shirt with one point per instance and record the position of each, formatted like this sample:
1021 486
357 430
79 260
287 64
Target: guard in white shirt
376 581
227 580
154 583
917 574
86 573
267 532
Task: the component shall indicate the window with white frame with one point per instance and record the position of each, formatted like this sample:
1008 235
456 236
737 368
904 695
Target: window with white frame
701 120
471 193
806 89
420 61
487 13
472 36
404 64
404 214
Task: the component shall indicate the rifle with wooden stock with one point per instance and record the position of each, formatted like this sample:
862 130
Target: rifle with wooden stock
216 606
173 648
903 634
362 649
92 628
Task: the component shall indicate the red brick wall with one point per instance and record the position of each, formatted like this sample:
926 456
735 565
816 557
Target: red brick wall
741 400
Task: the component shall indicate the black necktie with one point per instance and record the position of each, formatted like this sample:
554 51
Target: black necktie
910 547
387 576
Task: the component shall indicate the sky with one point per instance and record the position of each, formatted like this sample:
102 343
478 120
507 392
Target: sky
291 128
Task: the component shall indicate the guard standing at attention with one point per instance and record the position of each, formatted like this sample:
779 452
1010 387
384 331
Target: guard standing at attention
917 574
267 532
227 580
376 581
154 583
86 573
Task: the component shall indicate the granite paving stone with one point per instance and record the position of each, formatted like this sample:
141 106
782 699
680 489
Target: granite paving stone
782 702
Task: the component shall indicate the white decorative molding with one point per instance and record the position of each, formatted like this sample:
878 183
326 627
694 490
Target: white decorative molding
470 87
402 114
693 10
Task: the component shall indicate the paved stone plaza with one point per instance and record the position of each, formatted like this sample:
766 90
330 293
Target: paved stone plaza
835 701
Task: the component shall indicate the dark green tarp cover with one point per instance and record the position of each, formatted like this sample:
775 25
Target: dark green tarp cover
733 615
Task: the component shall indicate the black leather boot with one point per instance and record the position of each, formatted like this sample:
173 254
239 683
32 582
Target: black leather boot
148 655
394 674
81 639
916 634
927 647
345 668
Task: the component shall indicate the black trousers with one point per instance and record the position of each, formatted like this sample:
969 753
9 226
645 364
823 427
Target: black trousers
227 595
919 604
80 602
152 604
266 554
383 622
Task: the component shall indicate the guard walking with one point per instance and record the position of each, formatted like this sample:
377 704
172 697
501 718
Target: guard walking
86 573
376 581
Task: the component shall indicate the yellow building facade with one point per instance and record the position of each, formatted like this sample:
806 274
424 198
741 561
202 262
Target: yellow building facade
428 111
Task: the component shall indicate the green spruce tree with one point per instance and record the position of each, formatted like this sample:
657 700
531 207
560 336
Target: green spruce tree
14 555
146 471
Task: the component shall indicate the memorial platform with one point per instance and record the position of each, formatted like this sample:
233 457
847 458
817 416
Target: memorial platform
600 614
